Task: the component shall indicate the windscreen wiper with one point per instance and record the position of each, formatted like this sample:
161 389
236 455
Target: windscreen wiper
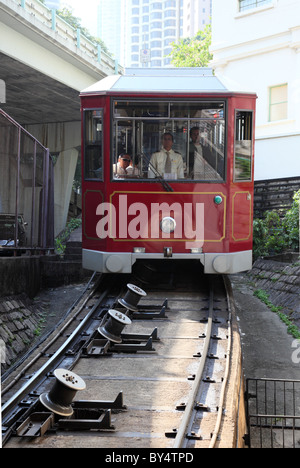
158 177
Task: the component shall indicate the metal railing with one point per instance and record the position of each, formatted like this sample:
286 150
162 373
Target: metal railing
26 191
273 413
58 29
249 4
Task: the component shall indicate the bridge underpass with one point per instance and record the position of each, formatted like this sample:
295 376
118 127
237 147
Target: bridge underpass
45 63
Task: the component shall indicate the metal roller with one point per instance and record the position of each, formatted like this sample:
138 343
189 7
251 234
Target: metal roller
114 326
60 397
132 297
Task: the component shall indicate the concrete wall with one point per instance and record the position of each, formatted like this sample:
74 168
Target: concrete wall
20 274
260 48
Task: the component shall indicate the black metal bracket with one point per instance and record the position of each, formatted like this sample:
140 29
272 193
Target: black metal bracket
151 312
87 415
131 343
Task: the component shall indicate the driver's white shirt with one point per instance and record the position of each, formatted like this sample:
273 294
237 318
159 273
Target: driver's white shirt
158 162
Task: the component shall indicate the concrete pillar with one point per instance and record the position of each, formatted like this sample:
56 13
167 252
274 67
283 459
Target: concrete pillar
64 171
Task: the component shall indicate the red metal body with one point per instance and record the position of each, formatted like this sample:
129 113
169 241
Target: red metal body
136 211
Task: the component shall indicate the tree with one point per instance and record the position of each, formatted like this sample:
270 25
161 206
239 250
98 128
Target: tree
74 21
193 52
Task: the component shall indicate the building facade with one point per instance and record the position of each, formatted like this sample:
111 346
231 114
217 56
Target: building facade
110 25
256 44
140 32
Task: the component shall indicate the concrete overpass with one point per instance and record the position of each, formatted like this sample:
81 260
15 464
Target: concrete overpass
44 64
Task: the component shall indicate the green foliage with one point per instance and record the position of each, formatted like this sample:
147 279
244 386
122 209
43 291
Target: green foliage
60 241
273 235
291 223
74 21
263 296
193 52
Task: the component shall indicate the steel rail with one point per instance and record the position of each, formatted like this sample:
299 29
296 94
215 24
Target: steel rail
225 380
33 381
181 433
77 307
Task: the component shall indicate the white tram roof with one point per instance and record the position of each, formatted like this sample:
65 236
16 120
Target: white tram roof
163 80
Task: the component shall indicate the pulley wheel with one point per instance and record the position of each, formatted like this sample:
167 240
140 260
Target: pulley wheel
114 326
60 397
132 297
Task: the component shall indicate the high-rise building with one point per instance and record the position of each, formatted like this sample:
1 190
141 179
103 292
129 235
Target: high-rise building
109 25
154 25
140 32
196 14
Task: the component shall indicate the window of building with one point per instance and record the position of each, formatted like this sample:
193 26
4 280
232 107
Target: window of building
243 145
93 144
156 25
278 102
197 130
250 4
155 44
156 6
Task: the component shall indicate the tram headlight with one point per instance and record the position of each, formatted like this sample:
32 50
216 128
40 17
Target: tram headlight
168 225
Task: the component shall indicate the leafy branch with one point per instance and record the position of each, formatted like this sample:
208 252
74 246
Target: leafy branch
193 52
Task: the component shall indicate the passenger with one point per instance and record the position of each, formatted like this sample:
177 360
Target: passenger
166 162
199 168
124 167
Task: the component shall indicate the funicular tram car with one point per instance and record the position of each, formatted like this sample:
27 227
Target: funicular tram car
167 167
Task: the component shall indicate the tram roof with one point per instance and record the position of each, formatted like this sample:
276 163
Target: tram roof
163 80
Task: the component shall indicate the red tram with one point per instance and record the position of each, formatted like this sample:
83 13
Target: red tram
167 171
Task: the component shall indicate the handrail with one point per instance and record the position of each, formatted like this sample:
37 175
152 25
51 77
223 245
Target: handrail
44 18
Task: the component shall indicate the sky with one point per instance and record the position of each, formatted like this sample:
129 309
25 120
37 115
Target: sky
86 10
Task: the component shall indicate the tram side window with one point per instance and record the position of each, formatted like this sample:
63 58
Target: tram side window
93 144
197 130
243 146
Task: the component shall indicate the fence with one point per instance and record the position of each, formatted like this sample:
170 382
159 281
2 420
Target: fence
273 413
26 191
42 16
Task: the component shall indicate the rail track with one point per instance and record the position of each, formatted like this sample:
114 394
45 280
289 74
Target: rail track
138 366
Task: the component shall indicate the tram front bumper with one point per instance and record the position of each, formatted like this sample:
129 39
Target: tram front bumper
122 262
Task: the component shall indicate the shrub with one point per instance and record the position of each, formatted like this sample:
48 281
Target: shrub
273 235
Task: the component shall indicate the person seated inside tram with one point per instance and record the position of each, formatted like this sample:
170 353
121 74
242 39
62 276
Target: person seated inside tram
166 163
124 167
199 167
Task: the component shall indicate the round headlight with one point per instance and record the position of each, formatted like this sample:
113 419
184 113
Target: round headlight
168 225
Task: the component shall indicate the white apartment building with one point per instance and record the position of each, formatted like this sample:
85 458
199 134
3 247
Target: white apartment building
256 44
152 27
196 14
140 32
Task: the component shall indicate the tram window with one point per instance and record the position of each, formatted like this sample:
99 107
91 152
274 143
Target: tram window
198 133
141 109
243 146
93 144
